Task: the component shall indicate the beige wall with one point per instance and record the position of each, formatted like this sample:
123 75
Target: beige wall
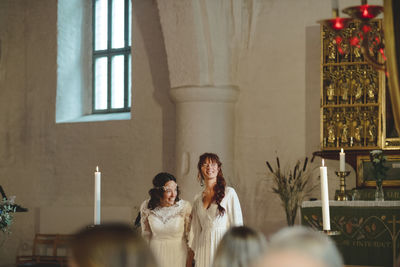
50 166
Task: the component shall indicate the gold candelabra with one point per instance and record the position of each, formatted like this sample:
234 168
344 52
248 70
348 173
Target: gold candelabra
330 232
342 196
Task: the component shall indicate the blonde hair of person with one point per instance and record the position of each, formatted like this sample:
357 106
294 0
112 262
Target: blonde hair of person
302 243
239 247
110 245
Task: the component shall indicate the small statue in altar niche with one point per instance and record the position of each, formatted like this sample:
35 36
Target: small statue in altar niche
331 134
344 86
371 95
330 93
345 134
345 52
371 133
331 50
358 94
358 132
357 54
352 87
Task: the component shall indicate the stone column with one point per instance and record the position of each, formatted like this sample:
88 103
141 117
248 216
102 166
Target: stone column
204 40
205 123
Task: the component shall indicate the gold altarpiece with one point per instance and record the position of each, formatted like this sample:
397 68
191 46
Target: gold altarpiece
355 106
352 95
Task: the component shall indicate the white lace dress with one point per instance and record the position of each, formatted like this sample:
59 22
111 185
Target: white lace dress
207 228
166 229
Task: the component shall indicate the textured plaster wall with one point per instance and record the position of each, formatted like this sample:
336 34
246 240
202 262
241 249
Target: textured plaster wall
74 62
277 113
49 166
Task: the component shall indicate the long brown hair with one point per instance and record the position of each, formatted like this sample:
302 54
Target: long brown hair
219 187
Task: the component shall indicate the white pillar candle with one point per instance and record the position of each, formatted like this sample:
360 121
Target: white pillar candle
342 157
325 197
97 187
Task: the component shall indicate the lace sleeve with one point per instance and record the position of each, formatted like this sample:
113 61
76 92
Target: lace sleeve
188 218
144 221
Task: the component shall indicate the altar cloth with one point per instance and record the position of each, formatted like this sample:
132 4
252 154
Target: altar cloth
369 230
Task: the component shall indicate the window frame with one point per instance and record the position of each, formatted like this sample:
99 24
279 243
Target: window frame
109 53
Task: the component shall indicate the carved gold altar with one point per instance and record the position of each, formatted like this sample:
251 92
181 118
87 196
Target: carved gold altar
352 93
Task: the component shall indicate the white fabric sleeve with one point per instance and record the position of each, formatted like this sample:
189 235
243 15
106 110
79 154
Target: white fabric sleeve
233 209
187 210
144 221
195 227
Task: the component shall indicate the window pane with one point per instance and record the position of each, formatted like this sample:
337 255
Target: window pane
118 25
100 83
130 24
117 82
100 25
129 80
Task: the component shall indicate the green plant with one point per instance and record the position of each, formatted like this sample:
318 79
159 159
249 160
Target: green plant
291 186
378 160
7 210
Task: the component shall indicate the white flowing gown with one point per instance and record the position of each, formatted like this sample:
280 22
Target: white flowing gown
166 229
207 227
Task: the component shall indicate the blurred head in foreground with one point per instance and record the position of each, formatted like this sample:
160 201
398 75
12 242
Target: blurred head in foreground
109 245
239 247
301 247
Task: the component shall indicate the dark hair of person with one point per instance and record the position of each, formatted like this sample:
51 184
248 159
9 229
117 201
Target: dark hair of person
110 244
157 192
219 188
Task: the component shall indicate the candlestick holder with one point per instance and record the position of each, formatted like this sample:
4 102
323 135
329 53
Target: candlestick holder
330 232
342 196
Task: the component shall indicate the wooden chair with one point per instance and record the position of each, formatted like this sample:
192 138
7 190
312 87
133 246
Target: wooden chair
48 250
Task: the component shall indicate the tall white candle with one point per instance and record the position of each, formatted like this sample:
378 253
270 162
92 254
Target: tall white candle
97 187
342 157
325 197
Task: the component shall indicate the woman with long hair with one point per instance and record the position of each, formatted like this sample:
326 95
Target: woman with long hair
165 222
215 210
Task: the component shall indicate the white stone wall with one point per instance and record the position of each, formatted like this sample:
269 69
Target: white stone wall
50 166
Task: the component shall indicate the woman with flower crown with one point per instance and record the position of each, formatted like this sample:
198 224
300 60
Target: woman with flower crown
165 222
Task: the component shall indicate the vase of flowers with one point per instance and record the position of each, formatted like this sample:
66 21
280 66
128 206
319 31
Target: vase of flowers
291 186
378 160
7 209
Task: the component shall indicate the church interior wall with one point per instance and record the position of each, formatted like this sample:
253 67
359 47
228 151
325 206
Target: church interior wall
49 167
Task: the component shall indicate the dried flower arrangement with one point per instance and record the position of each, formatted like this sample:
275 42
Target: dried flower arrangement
291 186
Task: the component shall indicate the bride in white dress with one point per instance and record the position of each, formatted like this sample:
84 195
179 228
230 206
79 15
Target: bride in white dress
165 222
215 210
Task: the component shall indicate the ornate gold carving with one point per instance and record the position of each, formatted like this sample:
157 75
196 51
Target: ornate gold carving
351 96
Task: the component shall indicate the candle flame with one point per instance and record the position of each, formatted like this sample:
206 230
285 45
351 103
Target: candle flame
323 162
97 168
341 150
